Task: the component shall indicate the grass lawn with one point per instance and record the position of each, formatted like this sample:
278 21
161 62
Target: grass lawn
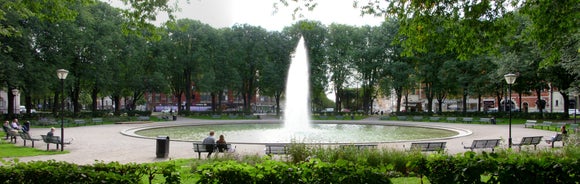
10 150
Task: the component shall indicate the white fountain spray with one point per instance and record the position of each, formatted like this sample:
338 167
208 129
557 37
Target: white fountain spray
297 110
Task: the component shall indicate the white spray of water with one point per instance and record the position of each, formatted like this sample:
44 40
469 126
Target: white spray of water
297 110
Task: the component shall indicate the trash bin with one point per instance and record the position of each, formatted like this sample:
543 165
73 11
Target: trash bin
162 146
174 118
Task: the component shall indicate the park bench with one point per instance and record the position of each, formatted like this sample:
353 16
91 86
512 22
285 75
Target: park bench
339 117
233 116
143 118
534 140
483 144
10 134
530 123
417 118
323 117
434 118
97 120
546 124
467 120
452 119
276 149
428 146
557 126
202 148
79 122
485 120
26 137
359 146
384 118
403 118
573 127
52 140
558 137
46 122
216 116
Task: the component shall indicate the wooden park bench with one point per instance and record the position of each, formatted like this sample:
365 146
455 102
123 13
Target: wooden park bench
485 120
10 134
26 137
359 146
97 120
546 124
385 117
434 118
52 140
143 118
202 148
216 116
558 137
483 144
428 146
535 140
417 118
276 149
467 120
79 122
530 123
451 119
557 126
403 118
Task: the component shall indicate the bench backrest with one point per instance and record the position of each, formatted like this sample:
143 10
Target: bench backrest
487 143
484 119
276 148
50 139
451 118
531 140
428 146
198 147
547 123
25 136
531 121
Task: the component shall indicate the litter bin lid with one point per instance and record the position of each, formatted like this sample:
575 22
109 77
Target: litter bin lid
162 137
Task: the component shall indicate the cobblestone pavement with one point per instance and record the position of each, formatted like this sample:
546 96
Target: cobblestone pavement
107 143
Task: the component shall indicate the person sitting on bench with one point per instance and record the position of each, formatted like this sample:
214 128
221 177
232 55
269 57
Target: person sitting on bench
562 130
209 143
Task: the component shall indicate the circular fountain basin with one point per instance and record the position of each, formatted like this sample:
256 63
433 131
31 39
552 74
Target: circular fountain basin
319 133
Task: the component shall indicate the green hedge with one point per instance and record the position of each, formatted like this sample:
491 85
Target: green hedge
469 167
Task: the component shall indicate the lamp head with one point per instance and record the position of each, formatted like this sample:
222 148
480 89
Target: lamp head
510 78
61 73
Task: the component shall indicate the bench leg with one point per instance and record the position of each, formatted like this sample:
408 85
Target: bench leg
33 144
24 142
47 145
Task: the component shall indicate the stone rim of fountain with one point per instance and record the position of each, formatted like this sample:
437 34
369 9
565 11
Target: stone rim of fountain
460 131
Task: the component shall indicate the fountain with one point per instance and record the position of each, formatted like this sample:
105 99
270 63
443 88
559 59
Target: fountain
297 124
297 110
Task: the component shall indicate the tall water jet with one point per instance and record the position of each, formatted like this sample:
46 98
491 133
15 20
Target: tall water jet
297 110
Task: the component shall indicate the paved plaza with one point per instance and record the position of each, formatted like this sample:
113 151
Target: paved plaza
107 142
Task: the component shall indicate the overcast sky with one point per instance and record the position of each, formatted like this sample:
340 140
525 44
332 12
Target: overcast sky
226 13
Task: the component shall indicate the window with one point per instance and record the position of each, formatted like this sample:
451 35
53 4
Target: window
557 103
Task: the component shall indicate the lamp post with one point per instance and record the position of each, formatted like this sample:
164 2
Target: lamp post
14 106
510 78
62 73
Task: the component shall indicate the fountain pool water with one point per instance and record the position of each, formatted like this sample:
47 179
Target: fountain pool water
297 110
318 133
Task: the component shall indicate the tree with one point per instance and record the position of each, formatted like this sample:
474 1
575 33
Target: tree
276 65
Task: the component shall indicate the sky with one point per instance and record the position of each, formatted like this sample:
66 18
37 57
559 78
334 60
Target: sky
226 13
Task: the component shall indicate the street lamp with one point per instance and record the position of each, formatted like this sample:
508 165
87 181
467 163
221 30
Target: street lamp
16 109
62 73
510 78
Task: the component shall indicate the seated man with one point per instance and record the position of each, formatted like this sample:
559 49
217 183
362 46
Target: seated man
209 143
